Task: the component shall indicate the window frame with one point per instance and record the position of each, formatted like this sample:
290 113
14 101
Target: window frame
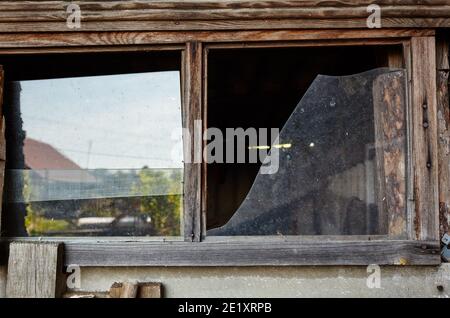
420 247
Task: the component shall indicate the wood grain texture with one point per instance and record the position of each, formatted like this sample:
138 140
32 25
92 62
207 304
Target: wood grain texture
241 253
129 290
37 5
149 290
204 193
50 16
135 15
179 15
2 143
135 290
115 290
193 140
395 57
96 39
195 13
34 270
390 144
424 138
443 115
222 25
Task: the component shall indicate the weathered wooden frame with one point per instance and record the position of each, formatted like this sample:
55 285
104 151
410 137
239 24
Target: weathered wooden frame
182 15
421 247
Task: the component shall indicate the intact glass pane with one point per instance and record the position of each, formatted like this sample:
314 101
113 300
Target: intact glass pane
96 156
341 170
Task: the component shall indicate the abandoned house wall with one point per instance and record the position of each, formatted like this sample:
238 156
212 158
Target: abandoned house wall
408 281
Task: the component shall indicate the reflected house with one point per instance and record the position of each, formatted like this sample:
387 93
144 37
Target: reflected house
52 176
51 165
58 188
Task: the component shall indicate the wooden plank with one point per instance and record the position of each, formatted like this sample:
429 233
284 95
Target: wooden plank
123 290
95 39
243 253
424 138
204 4
274 12
150 290
129 290
192 114
204 191
443 115
2 144
222 25
115 290
306 43
35 270
395 57
135 290
390 145
407 58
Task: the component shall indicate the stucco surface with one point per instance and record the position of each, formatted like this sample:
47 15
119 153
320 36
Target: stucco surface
273 281
278 282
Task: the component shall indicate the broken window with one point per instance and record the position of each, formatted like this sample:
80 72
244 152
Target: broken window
94 150
341 150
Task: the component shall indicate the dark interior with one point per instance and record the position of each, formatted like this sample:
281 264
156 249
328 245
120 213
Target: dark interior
260 87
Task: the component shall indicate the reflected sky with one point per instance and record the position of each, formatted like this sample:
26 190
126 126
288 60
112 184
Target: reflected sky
108 122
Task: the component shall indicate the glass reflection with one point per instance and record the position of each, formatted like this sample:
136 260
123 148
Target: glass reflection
96 155
344 171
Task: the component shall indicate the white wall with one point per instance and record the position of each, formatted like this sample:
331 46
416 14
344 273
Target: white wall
273 281
277 281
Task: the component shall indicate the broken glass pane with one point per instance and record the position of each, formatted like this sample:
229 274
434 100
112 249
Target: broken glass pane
95 156
343 172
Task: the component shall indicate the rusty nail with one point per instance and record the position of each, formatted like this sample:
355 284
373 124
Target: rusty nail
428 164
425 106
425 124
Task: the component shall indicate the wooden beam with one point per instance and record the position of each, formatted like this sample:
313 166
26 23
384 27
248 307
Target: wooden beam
204 191
424 138
443 115
35 270
132 15
97 5
234 13
242 253
389 101
2 143
98 39
192 116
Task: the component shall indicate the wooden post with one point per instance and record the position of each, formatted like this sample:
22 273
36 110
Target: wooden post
424 138
192 111
2 144
443 115
390 143
35 270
